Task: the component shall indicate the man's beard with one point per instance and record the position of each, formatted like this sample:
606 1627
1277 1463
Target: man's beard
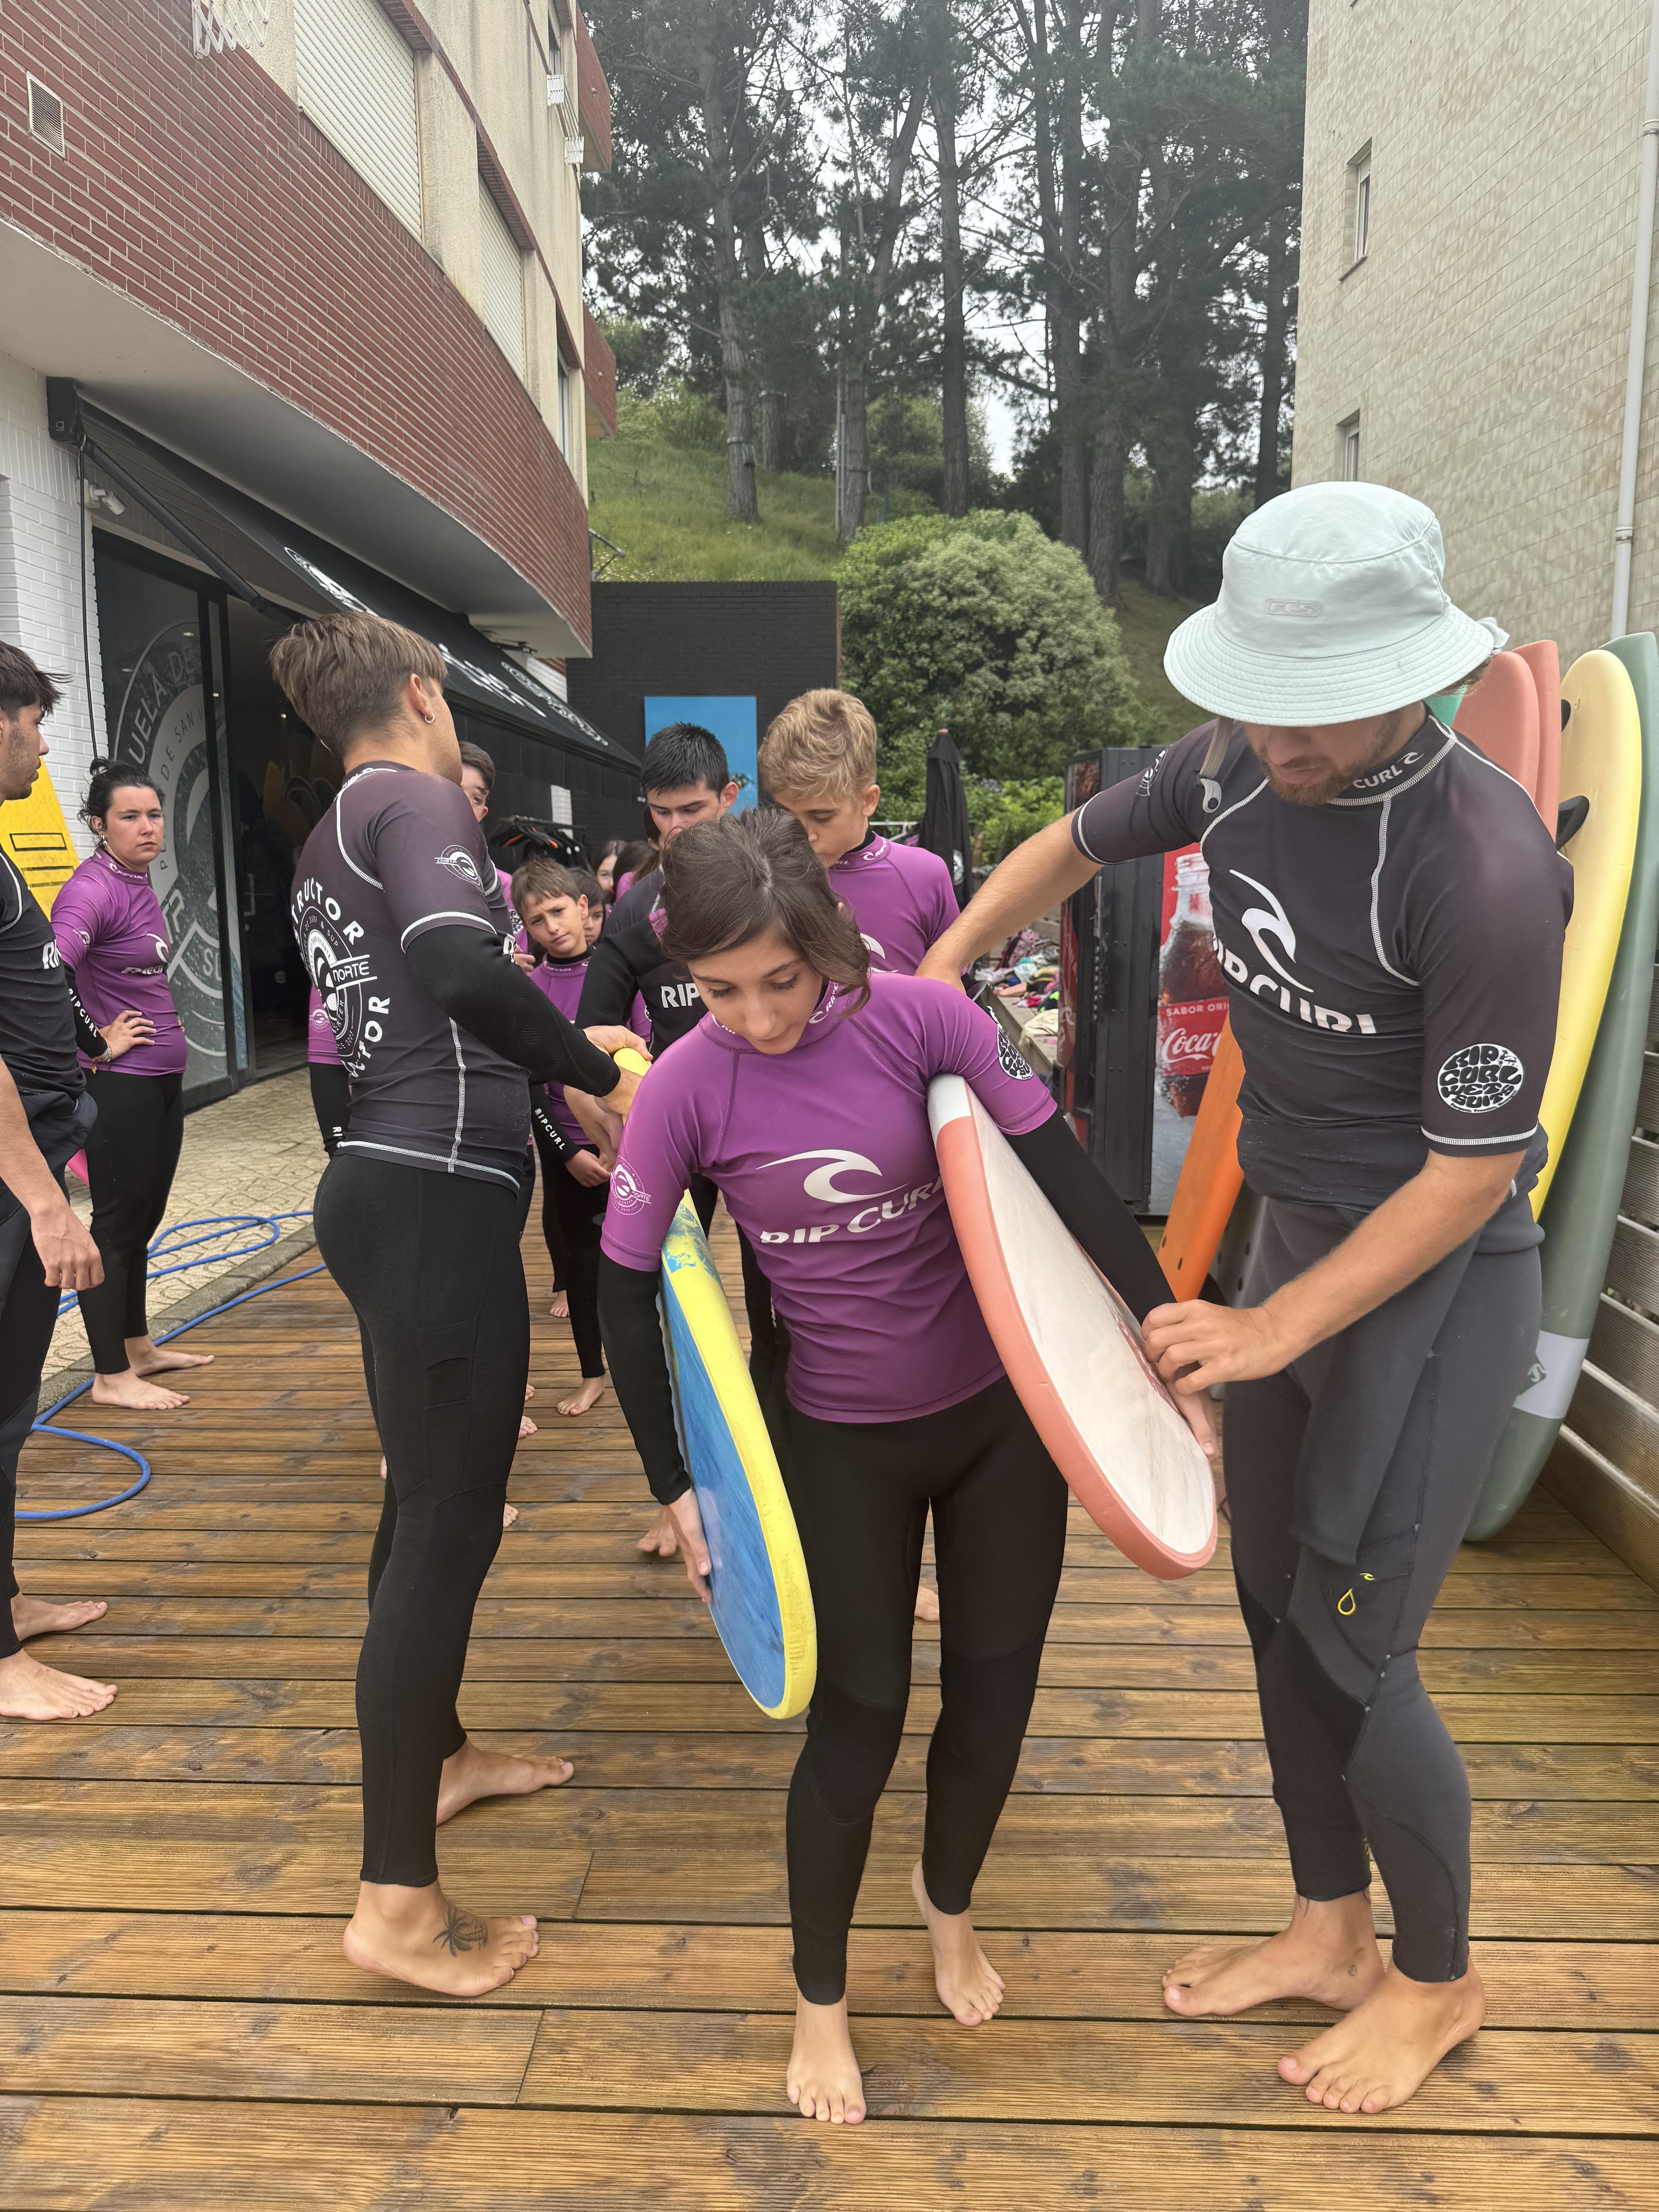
1318 793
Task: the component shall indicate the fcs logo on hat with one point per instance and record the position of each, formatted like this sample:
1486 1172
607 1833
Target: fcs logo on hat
1303 607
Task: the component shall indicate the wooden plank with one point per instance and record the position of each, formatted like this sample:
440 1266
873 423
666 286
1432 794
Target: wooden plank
1051 1974
1625 1343
1102 2073
1607 1500
222 2158
1620 1425
174 2048
1633 1266
1641 1194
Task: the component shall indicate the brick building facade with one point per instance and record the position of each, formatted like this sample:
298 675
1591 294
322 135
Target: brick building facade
1468 240
295 320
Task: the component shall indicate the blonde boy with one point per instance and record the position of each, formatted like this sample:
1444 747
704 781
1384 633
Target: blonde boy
818 760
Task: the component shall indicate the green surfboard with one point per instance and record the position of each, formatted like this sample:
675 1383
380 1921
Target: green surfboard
1581 1210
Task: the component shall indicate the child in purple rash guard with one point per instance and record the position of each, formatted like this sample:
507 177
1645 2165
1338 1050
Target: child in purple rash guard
818 760
331 1086
802 1093
112 942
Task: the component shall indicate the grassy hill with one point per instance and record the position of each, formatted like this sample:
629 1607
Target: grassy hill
666 506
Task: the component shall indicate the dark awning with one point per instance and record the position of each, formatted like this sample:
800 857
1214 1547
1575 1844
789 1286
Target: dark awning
278 565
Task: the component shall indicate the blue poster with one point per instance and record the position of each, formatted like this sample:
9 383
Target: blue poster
734 722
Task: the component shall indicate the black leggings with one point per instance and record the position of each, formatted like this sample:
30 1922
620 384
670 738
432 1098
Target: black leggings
1360 1757
131 1155
574 1212
28 1314
861 1492
331 1101
430 1263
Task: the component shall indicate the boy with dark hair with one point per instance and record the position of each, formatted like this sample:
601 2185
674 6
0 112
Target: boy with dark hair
818 760
45 1115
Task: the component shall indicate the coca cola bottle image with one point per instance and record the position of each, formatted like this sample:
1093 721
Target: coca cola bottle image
1192 993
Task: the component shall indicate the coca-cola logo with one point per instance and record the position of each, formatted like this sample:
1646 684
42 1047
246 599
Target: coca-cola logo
1188 1034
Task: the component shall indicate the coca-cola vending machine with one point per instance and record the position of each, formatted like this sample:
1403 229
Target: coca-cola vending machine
1192 1007
1110 937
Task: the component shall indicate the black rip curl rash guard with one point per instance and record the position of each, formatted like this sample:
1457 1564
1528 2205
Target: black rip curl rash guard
397 855
1393 958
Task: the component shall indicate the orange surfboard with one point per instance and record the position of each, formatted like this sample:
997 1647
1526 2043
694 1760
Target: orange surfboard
1545 664
1501 716
1209 1176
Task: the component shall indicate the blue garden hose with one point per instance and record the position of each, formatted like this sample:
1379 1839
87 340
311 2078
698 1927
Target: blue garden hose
214 1226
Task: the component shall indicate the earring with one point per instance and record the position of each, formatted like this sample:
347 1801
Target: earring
429 718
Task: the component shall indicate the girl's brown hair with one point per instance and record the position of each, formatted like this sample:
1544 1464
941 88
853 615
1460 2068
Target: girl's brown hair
727 882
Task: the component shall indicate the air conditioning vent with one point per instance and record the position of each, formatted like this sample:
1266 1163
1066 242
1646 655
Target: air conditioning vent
46 116
555 86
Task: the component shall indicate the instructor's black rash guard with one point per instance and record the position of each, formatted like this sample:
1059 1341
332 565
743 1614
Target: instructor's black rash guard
1057 1163
1393 958
406 935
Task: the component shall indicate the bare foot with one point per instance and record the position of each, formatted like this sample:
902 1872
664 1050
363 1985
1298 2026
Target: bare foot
824 2078
1387 2048
1328 1953
926 1602
383 1470
509 1516
585 1399
529 1392
662 1537
526 1427
969 1987
30 1692
470 1774
145 1357
132 1391
560 1307
38 1616
417 1935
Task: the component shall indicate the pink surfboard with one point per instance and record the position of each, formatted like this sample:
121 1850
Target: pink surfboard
1500 716
1071 1350
1544 663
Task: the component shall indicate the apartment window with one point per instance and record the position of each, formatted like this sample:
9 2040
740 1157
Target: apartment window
566 406
355 78
503 280
1359 204
1347 450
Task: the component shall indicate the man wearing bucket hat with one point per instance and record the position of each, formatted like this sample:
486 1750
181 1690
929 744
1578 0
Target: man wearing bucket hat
1390 913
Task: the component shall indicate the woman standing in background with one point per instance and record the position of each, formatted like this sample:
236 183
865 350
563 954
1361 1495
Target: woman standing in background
113 941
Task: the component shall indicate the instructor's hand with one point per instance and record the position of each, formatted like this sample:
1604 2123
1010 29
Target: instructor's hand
68 1258
694 1544
593 1174
940 968
1195 1344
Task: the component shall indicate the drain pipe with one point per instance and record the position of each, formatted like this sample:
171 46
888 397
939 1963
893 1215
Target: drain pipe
1624 537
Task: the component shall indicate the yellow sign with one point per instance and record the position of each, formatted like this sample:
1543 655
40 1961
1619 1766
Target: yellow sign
35 835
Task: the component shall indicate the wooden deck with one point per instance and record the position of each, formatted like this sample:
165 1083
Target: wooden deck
178 2029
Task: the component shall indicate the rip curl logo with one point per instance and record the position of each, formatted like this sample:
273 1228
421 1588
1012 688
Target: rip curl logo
1478 1078
1389 774
460 862
1267 923
49 954
1010 1061
628 1193
821 1184
874 944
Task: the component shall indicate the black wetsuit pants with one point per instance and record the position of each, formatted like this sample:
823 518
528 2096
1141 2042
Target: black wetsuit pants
1361 1761
133 1154
28 1314
573 1216
861 1492
430 1263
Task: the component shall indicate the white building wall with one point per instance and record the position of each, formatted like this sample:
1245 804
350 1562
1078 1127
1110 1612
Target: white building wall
40 579
1482 342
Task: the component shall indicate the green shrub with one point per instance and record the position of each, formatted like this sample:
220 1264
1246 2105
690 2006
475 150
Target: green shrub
1004 815
690 420
984 625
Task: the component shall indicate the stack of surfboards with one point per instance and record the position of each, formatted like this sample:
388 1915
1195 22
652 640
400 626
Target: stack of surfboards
1586 747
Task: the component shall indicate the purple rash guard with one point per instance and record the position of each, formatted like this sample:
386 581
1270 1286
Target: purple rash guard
109 928
901 898
825 1160
321 1049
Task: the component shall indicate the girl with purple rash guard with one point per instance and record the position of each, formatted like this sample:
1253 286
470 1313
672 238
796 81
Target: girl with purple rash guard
803 1095
331 1086
112 942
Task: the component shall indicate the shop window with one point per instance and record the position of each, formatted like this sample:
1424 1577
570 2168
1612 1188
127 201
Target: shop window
355 77
503 280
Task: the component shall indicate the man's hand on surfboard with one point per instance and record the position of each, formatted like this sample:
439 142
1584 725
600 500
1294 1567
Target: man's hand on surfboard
1196 1343
694 1544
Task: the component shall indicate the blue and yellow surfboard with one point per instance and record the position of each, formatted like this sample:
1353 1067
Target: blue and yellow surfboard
760 1596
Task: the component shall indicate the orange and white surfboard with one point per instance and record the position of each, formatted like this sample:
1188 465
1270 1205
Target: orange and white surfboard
1071 1350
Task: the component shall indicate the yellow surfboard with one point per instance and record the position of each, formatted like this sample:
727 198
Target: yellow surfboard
36 837
1601 761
